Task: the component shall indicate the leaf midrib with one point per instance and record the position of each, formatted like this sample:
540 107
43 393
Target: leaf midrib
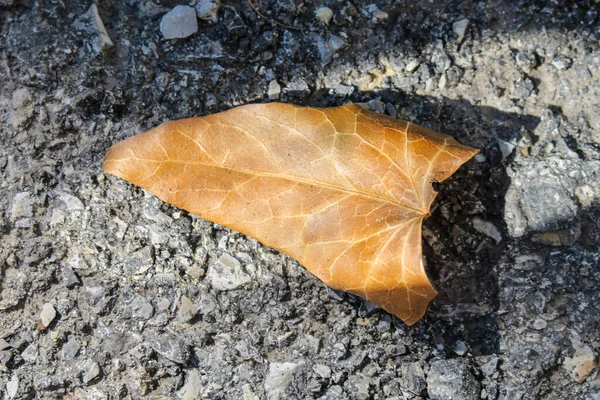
278 176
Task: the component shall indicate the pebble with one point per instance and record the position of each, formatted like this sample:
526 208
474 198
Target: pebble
144 312
248 393
187 310
328 46
562 63
413 378
22 206
391 110
171 348
193 386
582 363
22 107
506 148
539 324
71 348
279 378
460 28
12 387
460 348
71 202
104 41
443 81
412 65
90 369
322 370
30 354
274 90
526 61
208 9
381 15
139 262
179 23
487 228
451 380
376 105
324 15
227 274
47 316
68 277
207 304
491 367
196 272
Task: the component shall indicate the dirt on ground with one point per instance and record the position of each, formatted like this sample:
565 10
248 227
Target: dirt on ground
105 291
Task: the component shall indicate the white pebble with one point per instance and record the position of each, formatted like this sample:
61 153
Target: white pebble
274 90
179 23
324 14
460 28
48 314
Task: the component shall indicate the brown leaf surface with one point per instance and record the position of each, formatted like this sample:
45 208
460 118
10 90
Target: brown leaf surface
342 190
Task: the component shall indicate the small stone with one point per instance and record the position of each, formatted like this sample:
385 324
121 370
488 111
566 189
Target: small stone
460 348
490 367
104 41
412 65
139 262
328 46
279 378
506 148
30 354
187 310
71 348
539 324
4 344
324 15
47 316
322 370
227 274
344 90
12 387
460 28
274 90
193 386
487 228
179 23
171 348
581 364
208 9
526 61
562 62
71 202
413 378
22 206
376 105
451 380
69 278
22 107
391 110
381 15
207 304
144 312
443 81
196 272
586 195
248 393
90 370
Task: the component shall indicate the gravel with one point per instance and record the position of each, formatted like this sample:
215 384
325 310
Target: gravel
106 292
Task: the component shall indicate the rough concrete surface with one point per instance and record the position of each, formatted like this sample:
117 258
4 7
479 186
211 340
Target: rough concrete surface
108 293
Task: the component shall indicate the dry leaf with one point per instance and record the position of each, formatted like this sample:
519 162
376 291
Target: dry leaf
342 190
